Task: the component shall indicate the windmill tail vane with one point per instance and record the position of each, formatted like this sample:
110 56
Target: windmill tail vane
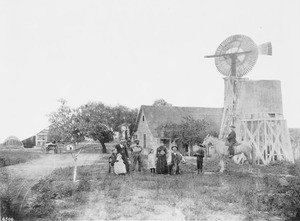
265 48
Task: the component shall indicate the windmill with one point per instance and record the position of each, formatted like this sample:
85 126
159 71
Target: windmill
253 106
234 58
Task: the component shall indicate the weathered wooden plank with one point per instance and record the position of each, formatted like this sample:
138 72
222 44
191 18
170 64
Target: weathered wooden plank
258 152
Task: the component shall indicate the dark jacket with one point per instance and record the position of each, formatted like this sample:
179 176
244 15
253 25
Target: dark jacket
231 137
176 158
112 159
199 154
123 151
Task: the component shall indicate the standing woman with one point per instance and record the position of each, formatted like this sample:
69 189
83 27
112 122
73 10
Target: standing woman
161 154
122 149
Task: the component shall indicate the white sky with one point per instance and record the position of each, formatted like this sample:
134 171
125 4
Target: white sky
133 52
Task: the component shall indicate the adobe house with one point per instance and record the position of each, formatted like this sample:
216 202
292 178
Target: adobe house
42 137
151 117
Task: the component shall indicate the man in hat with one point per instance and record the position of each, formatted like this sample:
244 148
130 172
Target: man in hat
137 155
122 149
231 138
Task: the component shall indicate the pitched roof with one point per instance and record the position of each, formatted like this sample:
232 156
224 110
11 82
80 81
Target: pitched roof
157 115
45 130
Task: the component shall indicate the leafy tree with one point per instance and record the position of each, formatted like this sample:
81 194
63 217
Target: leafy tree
95 121
161 102
189 132
121 115
65 125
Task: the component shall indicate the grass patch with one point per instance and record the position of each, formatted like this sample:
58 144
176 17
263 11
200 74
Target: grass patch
237 195
11 157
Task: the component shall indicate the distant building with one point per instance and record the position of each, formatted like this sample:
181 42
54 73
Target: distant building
151 117
125 131
29 142
42 137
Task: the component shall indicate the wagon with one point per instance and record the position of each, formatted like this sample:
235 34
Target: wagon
51 146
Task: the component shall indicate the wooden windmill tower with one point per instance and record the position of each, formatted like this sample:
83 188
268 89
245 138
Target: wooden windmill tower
257 118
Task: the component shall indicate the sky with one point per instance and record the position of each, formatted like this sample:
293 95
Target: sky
134 52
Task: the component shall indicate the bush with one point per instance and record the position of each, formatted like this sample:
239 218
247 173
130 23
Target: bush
2 162
277 195
47 192
6 206
42 204
294 169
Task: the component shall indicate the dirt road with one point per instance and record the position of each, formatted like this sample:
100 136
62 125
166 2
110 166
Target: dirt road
36 169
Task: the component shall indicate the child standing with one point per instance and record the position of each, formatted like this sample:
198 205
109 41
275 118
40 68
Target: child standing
111 160
151 161
177 158
200 155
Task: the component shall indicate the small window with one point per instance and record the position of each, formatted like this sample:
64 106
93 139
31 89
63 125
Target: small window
272 115
143 118
145 141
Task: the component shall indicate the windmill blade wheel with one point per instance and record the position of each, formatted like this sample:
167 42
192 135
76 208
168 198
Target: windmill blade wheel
236 56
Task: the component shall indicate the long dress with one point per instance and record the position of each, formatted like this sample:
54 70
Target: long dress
151 160
161 165
119 166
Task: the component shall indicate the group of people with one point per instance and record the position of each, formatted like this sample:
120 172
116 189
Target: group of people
161 162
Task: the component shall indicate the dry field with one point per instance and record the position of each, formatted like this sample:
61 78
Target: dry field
235 195
17 180
270 193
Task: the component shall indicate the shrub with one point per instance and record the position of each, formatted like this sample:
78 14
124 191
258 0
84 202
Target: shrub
84 185
42 204
276 196
3 162
47 192
6 206
294 169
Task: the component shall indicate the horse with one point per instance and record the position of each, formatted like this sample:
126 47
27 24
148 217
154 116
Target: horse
222 150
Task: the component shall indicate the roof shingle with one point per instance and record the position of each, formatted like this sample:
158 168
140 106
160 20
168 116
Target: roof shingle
157 115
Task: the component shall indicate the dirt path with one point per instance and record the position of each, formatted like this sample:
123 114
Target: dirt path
36 169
